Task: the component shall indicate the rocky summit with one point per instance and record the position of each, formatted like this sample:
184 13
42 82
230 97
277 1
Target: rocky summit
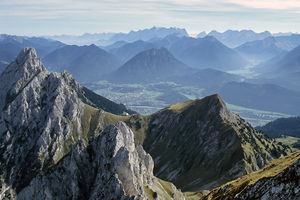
36 110
50 149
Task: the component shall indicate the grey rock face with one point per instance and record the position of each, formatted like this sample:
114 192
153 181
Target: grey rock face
110 167
285 185
36 110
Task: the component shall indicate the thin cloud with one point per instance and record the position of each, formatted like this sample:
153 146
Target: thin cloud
268 4
123 15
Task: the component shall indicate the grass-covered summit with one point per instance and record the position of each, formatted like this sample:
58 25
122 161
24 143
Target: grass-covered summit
200 144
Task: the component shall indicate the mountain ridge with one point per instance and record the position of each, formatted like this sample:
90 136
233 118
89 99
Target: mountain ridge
200 53
198 131
149 66
85 63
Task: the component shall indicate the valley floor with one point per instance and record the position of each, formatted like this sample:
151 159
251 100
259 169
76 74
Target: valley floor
149 98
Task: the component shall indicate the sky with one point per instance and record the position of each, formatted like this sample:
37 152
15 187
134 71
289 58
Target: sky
55 17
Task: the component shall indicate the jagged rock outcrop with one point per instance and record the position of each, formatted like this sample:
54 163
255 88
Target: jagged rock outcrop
52 145
36 110
110 167
278 180
204 145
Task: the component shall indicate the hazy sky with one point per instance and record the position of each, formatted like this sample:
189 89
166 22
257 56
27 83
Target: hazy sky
47 17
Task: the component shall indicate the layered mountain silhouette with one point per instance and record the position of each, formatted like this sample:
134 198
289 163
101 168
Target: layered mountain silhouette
209 79
85 63
55 145
283 70
148 34
104 39
232 38
288 42
202 53
149 66
128 51
11 45
286 64
261 50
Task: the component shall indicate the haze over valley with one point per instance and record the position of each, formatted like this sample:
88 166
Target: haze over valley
149 69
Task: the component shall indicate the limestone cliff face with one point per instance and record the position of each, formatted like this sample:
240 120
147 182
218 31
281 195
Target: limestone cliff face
36 110
110 167
52 145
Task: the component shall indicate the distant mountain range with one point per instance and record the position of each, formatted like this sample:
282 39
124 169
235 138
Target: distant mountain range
129 50
286 64
261 50
159 65
282 70
232 38
288 42
209 79
104 39
148 34
207 52
200 53
187 61
11 45
86 63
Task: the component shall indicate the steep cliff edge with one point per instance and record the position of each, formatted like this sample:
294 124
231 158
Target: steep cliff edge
110 167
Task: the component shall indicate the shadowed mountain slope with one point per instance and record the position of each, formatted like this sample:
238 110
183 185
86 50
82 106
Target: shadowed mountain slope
85 63
282 126
149 66
203 144
203 53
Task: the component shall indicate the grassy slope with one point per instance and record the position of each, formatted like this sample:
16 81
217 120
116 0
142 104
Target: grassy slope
233 188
